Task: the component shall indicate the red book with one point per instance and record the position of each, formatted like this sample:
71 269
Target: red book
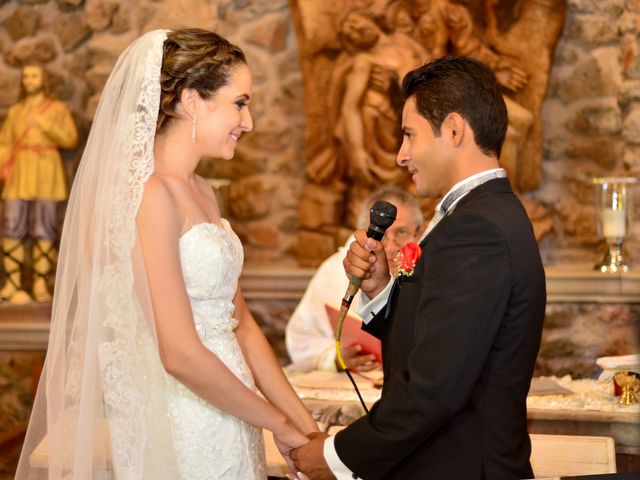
352 333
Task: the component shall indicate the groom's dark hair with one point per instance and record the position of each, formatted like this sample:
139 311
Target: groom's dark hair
467 87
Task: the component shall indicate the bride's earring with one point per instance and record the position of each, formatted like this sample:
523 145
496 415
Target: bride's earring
193 129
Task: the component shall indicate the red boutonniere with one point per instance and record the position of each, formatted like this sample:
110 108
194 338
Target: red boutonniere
409 255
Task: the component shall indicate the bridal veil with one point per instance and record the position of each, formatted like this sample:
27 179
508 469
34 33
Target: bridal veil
100 411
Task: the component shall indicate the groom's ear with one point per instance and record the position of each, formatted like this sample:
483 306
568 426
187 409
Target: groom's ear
454 128
189 98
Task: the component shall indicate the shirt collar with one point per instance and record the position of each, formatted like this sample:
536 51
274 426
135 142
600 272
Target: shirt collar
460 189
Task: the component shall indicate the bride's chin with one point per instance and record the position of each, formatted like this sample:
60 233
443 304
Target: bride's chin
225 154
231 153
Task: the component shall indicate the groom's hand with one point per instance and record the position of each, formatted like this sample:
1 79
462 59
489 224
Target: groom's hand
309 458
366 259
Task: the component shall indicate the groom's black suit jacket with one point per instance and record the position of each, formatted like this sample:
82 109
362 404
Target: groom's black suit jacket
459 342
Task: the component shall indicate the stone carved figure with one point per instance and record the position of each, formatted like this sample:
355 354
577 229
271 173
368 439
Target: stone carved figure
517 29
352 67
32 171
443 27
367 126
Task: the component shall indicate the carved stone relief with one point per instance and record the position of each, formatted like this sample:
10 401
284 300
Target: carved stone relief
354 55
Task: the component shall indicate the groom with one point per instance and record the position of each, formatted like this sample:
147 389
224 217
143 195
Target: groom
460 334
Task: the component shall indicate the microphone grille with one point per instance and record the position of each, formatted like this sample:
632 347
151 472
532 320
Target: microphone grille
382 214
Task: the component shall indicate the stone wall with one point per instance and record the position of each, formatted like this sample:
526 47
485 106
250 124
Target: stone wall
591 123
575 335
591 128
19 372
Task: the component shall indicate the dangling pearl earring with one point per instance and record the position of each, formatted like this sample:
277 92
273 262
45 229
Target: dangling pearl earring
193 129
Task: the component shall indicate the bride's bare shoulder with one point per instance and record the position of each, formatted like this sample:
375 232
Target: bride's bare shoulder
158 203
156 191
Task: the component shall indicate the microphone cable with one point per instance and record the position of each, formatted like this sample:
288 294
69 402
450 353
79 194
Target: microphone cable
381 216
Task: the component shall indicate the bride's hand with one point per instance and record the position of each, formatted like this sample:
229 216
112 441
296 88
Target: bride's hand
287 439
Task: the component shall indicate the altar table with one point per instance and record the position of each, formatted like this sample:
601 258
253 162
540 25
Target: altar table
588 408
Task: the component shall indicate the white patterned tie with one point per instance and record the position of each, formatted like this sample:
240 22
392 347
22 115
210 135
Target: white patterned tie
453 196
437 216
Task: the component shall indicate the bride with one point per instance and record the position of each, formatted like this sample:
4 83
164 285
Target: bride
154 361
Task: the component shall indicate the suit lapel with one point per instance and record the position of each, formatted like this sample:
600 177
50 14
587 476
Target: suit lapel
492 186
495 185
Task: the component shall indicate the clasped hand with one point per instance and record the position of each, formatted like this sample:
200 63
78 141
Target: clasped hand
309 458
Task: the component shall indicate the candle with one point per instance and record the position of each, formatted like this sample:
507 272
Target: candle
613 223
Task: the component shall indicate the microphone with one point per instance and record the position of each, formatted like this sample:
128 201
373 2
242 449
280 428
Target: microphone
381 216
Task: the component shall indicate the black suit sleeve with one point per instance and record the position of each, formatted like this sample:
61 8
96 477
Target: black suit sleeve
376 325
460 300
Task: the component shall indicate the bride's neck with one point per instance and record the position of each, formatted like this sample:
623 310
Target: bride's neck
173 155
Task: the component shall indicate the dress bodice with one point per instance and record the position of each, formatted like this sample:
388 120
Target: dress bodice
211 257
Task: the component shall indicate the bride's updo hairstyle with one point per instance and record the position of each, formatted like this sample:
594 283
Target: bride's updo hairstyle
193 58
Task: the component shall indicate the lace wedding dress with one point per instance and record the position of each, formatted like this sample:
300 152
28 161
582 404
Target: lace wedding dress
211 444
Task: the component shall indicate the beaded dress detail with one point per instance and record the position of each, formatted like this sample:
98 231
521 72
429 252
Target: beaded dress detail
209 442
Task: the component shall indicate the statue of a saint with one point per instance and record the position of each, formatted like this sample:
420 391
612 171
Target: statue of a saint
33 174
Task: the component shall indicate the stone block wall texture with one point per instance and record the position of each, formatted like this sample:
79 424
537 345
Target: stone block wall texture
19 372
591 120
591 128
575 335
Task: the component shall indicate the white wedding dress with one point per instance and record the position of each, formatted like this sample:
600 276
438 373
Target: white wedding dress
209 443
